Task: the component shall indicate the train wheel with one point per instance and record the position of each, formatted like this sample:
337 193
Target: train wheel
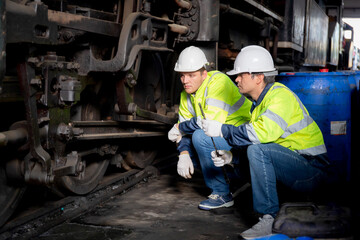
95 166
140 158
85 183
10 196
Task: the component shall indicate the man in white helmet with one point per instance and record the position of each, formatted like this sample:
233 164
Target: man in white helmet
221 101
284 143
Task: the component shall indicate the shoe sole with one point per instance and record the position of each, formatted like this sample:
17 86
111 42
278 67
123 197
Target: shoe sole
259 237
206 207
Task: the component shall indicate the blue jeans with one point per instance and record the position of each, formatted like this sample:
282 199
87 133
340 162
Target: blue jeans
272 162
213 176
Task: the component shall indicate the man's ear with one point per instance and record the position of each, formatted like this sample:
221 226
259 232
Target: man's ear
204 75
259 78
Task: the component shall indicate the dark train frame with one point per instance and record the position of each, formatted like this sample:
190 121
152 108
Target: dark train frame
85 85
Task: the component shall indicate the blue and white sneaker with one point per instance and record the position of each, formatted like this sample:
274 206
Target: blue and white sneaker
217 201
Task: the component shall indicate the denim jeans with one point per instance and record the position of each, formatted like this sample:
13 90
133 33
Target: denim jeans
213 176
272 162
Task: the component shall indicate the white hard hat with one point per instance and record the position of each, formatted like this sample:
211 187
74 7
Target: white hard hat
254 59
191 59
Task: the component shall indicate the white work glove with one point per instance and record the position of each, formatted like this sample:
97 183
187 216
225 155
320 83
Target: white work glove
211 128
185 167
174 134
224 157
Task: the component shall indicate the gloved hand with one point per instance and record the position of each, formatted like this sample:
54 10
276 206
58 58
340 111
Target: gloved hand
185 167
174 134
212 128
224 157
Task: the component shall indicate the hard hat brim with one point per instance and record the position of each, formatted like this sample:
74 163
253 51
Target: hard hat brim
232 72
235 72
271 73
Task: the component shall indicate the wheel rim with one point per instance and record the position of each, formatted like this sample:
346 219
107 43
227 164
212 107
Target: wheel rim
94 172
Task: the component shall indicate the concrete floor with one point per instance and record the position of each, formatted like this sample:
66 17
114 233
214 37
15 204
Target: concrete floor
163 208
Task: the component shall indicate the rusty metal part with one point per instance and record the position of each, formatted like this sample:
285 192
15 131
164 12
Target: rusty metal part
76 173
107 136
140 32
140 158
155 116
178 28
183 4
35 174
105 130
73 166
13 137
188 17
265 10
85 23
35 23
123 96
227 9
85 174
25 74
61 86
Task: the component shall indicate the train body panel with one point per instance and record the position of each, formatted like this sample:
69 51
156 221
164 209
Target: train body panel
93 82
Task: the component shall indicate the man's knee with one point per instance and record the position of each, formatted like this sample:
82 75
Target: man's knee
198 137
253 150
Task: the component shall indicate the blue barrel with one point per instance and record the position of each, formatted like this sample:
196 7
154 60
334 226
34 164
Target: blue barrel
327 97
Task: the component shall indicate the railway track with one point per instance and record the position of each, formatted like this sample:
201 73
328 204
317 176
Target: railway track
35 222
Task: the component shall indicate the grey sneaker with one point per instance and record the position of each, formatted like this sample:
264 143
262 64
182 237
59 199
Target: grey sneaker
261 229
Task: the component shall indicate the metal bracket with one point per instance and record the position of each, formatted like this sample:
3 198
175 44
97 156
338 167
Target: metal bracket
73 165
140 32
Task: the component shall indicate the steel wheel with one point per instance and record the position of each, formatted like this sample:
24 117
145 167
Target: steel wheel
10 196
84 184
140 158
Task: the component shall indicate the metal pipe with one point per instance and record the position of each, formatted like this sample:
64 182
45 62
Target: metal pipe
227 8
183 4
178 28
13 137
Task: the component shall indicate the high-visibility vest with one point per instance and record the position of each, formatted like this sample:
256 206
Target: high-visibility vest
220 99
282 118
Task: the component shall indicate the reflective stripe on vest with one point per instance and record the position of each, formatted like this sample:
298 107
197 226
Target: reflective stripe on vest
227 107
252 134
313 150
206 89
190 106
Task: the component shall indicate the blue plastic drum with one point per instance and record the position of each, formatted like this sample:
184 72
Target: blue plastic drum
327 97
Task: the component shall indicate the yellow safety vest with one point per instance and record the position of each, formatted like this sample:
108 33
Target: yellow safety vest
220 99
282 118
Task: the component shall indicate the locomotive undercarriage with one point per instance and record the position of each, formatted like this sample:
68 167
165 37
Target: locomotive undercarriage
93 91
